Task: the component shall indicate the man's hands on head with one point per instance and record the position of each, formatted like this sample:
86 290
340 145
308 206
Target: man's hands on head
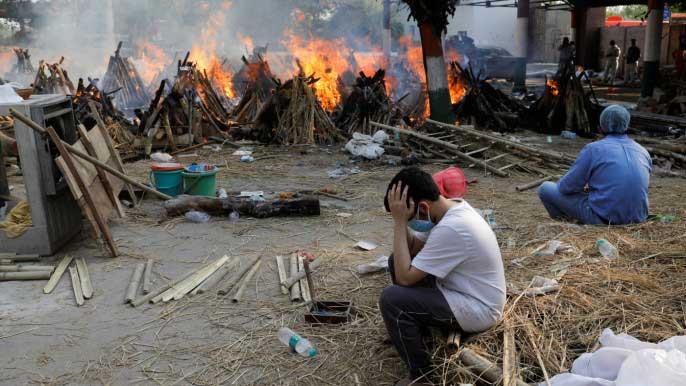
398 204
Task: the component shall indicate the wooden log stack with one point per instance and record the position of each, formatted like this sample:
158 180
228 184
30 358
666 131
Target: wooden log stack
255 83
488 107
23 65
367 102
122 75
52 79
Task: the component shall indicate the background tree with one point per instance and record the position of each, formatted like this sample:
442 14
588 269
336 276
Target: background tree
432 17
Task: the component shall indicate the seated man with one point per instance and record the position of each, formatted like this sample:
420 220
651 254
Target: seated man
608 183
447 272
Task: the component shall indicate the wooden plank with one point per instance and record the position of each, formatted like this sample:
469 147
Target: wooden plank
239 293
295 286
100 223
281 267
534 184
57 274
85 277
102 176
477 151
499 156
146 276
119 165
134 283
76 285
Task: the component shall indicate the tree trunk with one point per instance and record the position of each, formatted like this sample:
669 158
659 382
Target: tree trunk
297 206
436 74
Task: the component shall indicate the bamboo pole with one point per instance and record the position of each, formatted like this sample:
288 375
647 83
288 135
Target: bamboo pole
295 287
90 159
281 267
57 274
30 275
18 258
239 293
453 148
296 276
533 184
76 285
85 277
26 268
154 294
179 291
135 282
509 356
146 276
483 367
475 133
216 277
304 284
228 286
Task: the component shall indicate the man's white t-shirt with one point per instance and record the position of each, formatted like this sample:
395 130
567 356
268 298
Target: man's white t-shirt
462 252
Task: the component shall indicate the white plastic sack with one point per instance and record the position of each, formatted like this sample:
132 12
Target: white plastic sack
7 95
363 145
380 137
654 368
161 157
568 379
604 363
377 265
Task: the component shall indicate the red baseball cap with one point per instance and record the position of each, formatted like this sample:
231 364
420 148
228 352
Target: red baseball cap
451 182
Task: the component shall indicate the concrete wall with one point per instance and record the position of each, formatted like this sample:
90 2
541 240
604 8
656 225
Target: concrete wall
623 35
591 21
546 31
487 26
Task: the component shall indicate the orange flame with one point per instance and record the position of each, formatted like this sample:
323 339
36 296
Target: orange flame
326 59
553 86
413 56
151 60
204 54
7 60
457 88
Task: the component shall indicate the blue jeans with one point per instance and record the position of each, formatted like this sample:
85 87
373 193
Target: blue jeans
567 206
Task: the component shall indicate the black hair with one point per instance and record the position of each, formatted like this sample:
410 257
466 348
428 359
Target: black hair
421 186
612 42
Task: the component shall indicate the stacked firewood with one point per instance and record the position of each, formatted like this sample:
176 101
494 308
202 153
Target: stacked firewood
293 115
23 65
122 75
255 83
565 105
488 107
52 79
367 102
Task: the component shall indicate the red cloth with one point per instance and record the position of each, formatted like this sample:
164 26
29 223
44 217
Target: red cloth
451 182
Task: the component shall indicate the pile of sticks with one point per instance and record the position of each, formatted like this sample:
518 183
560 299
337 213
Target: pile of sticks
255 83
225 275
565 105
293 115
23 65
52 79
488 107
122 75
367 102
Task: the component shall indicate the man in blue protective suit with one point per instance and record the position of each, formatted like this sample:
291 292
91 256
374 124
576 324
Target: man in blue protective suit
608 183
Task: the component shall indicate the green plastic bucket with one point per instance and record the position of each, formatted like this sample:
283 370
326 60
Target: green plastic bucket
167 180
200 184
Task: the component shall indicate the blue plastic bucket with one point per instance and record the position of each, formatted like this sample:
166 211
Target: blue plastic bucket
169 182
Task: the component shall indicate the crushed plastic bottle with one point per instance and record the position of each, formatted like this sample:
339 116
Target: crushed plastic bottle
221 193
297 343
566 134
489 216
234 216
197 217
607 249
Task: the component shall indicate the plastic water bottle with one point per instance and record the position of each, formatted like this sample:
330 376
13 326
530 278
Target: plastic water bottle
297 343
221 193
234 216
197 217
606 249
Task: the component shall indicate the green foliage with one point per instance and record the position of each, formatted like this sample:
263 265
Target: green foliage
628 12
435 12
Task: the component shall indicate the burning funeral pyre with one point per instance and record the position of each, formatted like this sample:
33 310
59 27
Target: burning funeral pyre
123 80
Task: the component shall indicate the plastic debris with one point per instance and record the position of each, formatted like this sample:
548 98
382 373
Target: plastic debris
247 158
197 217
551 248
607 249
568 134
377 265
161 157
362 145
366 245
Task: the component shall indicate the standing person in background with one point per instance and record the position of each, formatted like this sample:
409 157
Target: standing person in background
633 54
566 56
612 63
